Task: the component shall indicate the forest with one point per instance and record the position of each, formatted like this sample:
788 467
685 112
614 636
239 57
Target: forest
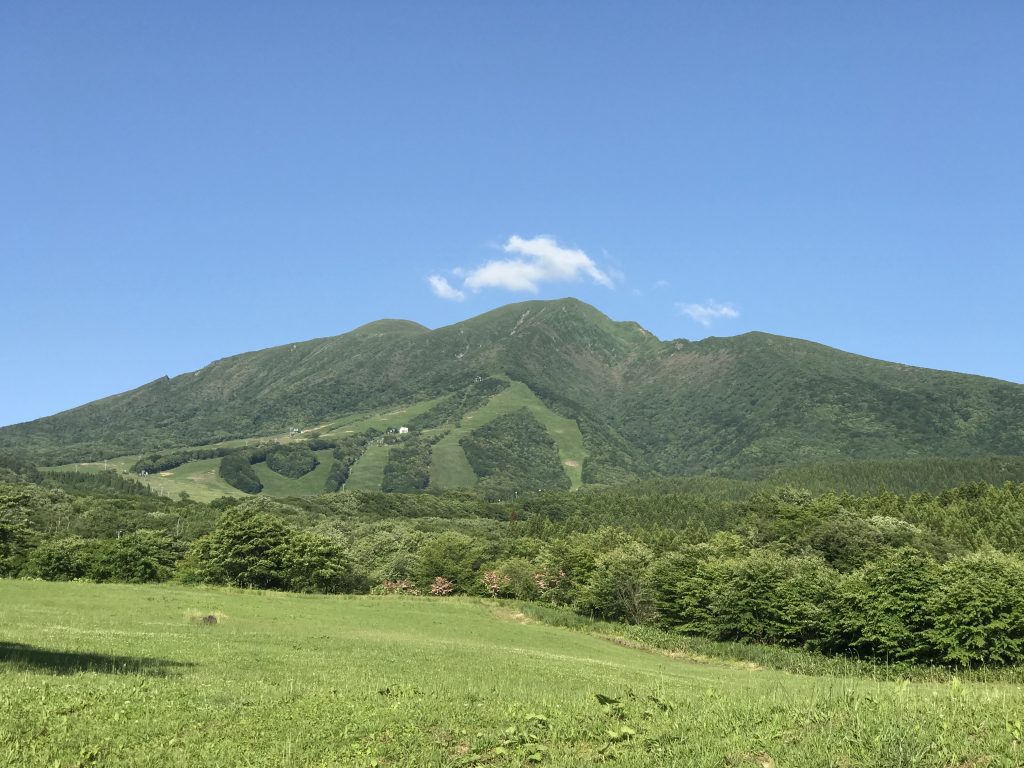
935 578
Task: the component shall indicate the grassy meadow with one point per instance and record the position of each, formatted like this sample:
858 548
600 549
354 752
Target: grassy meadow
367 474
119 675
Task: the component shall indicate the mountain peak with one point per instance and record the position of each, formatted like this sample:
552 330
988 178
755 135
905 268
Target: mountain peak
732 404
388 325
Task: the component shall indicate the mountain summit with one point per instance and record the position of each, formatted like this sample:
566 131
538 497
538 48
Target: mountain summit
739 404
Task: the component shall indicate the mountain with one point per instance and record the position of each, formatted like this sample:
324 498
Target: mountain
742 405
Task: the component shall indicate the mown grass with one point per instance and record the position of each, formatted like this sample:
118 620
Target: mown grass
449 467
367 473
395 417
118 675
307 485
199 479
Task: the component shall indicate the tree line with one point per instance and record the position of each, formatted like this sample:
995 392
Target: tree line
926 578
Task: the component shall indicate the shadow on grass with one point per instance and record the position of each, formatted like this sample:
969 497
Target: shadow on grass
29 657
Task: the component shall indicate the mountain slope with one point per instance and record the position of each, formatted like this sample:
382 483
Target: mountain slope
739 405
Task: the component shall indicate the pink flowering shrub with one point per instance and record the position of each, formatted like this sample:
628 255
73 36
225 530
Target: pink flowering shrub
495 582
442 586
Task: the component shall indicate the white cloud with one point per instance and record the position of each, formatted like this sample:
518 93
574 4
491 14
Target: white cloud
442 288
544 261
662 284
708 312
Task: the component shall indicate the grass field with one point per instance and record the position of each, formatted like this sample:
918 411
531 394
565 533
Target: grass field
449 467
199 479
367 474
307 485
117 675
382 421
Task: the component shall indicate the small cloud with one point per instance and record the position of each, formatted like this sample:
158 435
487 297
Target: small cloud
543 260
637 292
445 290
708 312
662 284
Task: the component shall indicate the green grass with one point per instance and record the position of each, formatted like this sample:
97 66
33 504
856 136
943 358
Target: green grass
118 675
449 467
199 479
367 474
309 484
396 417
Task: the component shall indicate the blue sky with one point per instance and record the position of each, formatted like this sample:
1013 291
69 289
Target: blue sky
185 181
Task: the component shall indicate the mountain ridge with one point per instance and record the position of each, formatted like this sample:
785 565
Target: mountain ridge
720 404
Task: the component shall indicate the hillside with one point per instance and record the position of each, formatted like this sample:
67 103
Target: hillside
743 406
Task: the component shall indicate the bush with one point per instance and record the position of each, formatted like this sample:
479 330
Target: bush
620 588
244 550
137 557
977 610
454 556
255 549
521 578
63 559
316 563
767 597
885 608
685 584
15 542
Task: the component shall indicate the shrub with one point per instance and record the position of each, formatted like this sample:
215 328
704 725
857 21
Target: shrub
685 584
137 557
63 559
317 563
441 587
244 551
521 579
767 597
620 587
15 541
454 556
885 612
977 610
395 587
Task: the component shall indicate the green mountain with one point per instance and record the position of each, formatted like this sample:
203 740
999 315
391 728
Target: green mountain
744 405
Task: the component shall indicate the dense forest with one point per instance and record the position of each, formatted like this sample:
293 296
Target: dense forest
933 578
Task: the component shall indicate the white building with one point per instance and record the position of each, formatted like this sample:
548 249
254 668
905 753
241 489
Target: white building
403 430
